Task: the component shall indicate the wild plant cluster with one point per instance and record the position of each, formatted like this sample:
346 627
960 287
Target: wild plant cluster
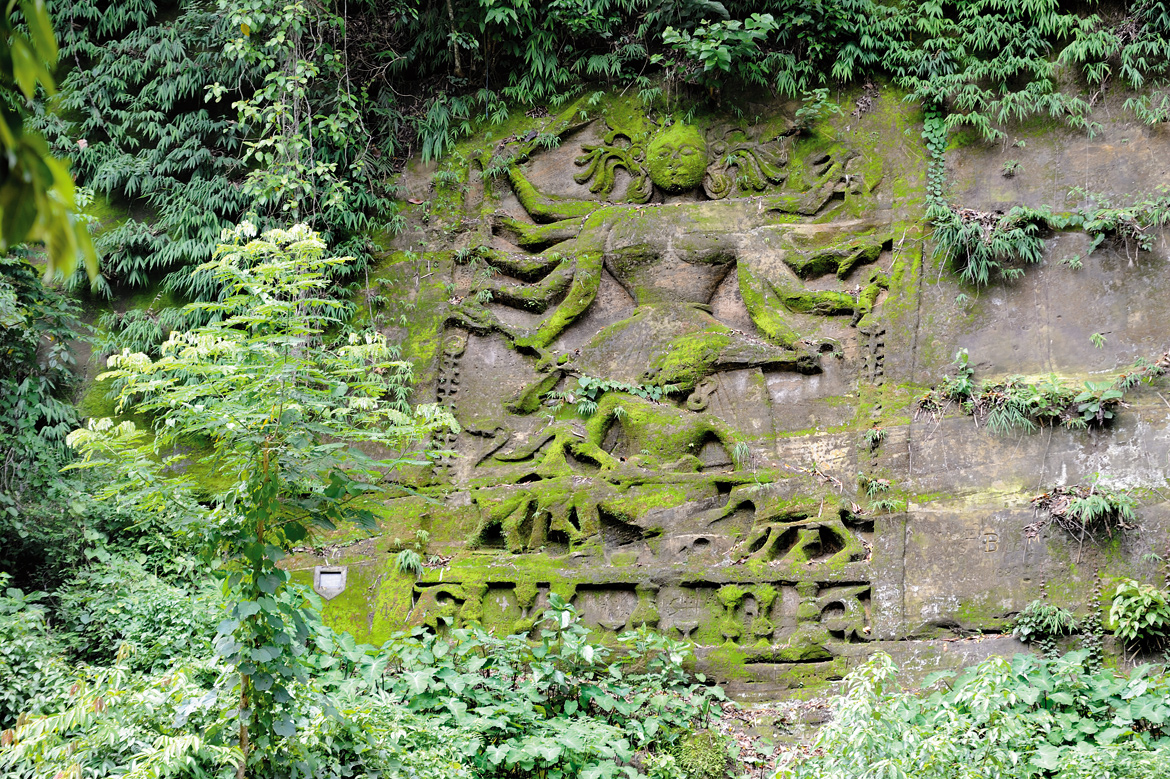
984 245
1042 623
1086 509
589 390
1018 404
1132 226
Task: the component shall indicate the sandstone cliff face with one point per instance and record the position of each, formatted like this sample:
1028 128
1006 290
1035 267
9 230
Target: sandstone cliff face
687 362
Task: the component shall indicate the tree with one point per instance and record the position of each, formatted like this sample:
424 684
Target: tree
36 190
272 408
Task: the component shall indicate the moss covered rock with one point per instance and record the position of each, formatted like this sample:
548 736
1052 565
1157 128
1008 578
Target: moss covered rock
677 158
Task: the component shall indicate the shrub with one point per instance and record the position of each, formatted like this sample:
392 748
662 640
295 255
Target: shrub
703 755
1140 614
120 603
557 704
1024 719
31 670
452 706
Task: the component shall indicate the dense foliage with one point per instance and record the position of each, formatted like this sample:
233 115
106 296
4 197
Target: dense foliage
172 115
37 323
39 330
465 704
131 116
1024 719
243 411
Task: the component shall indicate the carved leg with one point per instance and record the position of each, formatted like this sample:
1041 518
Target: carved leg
763 307
534 297
472 316
526 267
539 236
863 253
823 302
542 207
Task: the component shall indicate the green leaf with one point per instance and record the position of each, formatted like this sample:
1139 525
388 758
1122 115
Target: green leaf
284 727
269 582
1047 757
245 609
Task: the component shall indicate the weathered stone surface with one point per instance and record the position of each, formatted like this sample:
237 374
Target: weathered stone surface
773 315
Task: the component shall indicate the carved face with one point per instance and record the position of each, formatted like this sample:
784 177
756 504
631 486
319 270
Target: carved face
677 158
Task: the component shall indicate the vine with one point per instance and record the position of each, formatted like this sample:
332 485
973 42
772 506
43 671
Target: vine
1092 632
312 158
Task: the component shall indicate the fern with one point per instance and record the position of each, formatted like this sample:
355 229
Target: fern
130 113
985 245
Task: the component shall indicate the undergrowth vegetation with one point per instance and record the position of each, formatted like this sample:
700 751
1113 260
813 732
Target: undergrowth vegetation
463 703
1028 718
37 323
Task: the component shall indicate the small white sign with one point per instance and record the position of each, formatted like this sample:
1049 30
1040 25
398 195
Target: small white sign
329 582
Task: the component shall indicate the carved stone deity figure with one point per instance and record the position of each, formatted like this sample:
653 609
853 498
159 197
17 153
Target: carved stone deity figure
671 256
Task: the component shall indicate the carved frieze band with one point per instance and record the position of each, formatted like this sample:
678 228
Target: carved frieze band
707 613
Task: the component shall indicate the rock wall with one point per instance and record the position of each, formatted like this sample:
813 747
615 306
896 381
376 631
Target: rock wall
686 356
